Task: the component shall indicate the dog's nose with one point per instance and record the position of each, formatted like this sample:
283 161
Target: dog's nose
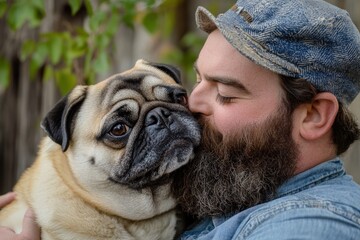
158 116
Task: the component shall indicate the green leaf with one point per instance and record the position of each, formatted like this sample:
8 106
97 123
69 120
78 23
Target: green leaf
173 4
38 58
34 68
102 41
150 3
175 55
112 25
75 6
35 18
168 21
74 48
19 13
65 80
71 54
27 48
192 40
40 53
90 77
48 73
189 39
101 63
96 20
4 73
16 17
89 7
3 8
150 22
129 13
55 46
38 4
87 65
39 7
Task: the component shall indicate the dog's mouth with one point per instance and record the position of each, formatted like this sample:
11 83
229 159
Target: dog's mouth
164 143
156 169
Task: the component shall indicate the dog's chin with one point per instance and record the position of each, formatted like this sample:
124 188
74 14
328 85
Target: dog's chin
159 171
143 181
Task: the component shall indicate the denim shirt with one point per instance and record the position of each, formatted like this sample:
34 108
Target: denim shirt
320 203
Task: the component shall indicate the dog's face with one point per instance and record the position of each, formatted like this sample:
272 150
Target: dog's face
131 130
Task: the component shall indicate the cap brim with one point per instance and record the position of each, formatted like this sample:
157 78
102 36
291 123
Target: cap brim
243 42
205 20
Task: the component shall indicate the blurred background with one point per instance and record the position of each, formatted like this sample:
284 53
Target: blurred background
49 46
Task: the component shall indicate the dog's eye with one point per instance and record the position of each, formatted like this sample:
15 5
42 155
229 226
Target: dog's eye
119 130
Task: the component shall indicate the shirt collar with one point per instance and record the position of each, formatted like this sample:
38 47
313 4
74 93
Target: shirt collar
314 176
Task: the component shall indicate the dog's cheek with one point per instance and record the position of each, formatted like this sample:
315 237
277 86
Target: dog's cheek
93 160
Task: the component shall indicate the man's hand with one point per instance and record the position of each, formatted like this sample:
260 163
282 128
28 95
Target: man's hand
6 199
31 230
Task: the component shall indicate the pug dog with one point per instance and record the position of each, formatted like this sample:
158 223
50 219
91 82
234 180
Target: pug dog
105 169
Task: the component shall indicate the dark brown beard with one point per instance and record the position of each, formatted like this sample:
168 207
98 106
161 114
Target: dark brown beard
238 171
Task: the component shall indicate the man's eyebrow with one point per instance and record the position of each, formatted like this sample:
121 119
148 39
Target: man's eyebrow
224 80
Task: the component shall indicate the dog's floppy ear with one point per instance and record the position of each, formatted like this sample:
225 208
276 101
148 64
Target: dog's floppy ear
57 123
170 70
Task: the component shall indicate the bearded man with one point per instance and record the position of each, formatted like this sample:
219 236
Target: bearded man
274 79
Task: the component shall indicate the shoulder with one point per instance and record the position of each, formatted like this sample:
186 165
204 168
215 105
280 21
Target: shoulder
326 211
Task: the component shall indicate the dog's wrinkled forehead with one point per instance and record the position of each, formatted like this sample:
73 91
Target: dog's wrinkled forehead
144 82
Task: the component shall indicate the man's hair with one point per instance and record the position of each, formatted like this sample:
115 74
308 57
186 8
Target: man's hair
345 129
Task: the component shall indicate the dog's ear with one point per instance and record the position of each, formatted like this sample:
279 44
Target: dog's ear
170 70
57 123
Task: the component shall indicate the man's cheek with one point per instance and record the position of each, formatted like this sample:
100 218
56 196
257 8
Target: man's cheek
226 125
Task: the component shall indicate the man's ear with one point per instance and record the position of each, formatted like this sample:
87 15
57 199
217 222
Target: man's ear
318 116
57 123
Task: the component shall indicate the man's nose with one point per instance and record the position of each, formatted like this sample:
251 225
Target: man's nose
199 100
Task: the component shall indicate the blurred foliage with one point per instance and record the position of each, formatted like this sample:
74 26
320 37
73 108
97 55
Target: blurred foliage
186 53
56 53
4 72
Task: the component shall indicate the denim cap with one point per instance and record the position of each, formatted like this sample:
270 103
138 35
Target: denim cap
309 39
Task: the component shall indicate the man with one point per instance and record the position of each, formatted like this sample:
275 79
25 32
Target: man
274 79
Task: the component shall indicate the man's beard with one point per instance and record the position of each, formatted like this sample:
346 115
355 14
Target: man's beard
235 172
